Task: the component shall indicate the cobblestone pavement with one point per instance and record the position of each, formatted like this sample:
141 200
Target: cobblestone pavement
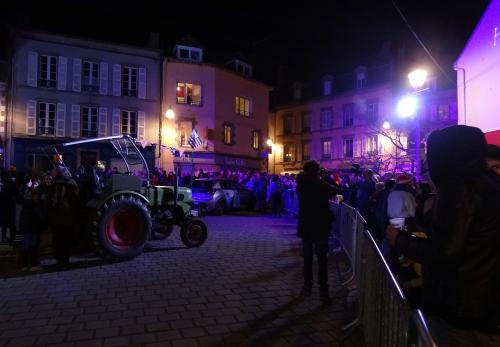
239 289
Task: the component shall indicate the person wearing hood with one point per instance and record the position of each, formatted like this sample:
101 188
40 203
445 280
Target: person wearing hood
460 257
314 225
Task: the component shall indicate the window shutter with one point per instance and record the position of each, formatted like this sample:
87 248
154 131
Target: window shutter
141 125
142 83
61 120
75 121
115 128
103 121
62 66
77 75
117 79
31 117
32 69
103 78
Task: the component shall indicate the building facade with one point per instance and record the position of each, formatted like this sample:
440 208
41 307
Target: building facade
227 108
357 124
66 88
478 76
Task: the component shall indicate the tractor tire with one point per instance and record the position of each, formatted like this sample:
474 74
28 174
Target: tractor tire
161 231
194 233
121 228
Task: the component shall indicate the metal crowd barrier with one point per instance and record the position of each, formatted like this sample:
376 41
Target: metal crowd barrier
384 313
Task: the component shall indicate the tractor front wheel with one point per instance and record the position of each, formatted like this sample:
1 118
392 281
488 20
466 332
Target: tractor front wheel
194 233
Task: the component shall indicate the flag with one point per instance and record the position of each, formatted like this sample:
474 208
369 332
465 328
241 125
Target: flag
194 140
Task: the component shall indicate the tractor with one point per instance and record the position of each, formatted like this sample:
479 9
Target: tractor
124 211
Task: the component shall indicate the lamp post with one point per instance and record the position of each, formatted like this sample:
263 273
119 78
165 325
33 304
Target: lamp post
408 107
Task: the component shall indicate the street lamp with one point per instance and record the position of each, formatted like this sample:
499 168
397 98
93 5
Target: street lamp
170 113
386 125
270 144
417 78
407 106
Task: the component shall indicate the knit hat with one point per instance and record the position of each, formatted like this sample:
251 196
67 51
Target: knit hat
456 151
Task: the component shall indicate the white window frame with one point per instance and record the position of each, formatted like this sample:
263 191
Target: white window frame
360 80
44 77
326 122
47 129
90 83
372 111
326 155
127 122
346 142
89 119
371 144
327 88
243 106
190 51
128 81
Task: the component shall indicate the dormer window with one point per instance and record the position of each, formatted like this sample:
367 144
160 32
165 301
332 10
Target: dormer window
241 67
193 54
360 80
327 88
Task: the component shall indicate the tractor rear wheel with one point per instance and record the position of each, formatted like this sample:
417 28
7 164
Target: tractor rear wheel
121 228
194 233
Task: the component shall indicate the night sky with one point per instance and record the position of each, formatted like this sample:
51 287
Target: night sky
302 41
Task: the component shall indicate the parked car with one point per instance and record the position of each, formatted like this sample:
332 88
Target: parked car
220 195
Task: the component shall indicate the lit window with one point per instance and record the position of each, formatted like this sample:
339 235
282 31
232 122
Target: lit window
228 134
256 139
188 93
326 149
185 128
288 153
243 106
371 145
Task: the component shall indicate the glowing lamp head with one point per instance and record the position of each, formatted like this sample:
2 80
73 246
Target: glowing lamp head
386 125
269 142
417 78
170 114
407 106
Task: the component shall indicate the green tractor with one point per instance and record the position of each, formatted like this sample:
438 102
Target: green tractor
126 211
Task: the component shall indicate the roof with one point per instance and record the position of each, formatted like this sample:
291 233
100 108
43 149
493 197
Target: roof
189 41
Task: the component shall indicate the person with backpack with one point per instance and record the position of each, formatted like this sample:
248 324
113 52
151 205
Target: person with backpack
460 258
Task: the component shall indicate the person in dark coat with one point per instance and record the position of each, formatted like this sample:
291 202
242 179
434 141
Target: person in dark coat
460 257
314 225
63 214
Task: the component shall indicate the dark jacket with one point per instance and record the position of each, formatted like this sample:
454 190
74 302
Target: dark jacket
460 257
315 216
62 203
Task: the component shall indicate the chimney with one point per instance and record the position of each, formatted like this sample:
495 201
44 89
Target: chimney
297 91
154 40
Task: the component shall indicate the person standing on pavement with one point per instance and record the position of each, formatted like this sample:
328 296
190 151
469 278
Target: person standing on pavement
314 225
460 257
63 213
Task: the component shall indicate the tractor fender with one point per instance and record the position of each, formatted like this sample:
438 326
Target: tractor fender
96 204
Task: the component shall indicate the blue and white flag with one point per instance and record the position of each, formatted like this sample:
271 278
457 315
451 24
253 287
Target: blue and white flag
194 140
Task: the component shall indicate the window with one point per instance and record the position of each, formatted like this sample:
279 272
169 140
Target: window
326 118
90 76
348 148
129 81
372 111
326 149
89 122
48 71
348 115
443 112
256 139
185 128
188 93
228 138
371 145
243 106
327 88
288 124
129 123
306 151
306 122
46 122
288 153
189 53
360 80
